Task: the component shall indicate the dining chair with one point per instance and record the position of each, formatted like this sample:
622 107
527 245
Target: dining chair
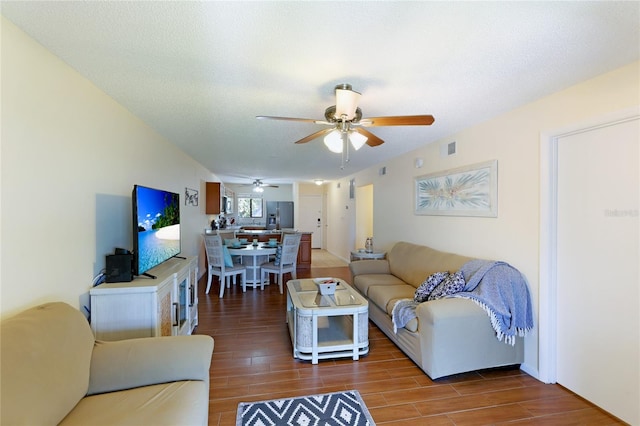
284 262
221 265
226 235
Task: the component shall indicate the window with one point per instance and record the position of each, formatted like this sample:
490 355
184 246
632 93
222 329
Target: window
249 207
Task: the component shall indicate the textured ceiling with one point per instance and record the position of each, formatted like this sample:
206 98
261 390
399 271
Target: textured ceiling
199 72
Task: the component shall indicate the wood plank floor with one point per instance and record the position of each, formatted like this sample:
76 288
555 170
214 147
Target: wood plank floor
253 361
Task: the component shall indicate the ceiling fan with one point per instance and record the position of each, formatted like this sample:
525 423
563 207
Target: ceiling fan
347 124
258 185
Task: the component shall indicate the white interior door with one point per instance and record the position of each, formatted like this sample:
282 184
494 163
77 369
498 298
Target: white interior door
598 332
311 218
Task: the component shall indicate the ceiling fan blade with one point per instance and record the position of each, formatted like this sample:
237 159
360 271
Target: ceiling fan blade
372 140
314 135
399 120
304 120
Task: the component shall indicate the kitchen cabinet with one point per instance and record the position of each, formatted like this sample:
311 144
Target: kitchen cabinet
304 251
212 198
261 236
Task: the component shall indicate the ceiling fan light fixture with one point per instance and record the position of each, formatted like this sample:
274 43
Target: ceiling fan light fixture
357 140
258 189
346 102
333 141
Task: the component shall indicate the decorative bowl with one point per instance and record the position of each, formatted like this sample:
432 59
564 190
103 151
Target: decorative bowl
326 286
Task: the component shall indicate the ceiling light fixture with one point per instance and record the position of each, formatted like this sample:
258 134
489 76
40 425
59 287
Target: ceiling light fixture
357 139
258 189
346 102
335 141
319 182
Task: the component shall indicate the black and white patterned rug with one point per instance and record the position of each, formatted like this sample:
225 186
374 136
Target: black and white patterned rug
330 409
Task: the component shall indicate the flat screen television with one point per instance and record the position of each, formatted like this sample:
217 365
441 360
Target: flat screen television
156 227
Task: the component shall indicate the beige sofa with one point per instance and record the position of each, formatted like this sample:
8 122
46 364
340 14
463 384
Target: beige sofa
448 336
55 372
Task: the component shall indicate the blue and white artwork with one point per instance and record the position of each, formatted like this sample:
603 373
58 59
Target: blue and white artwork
466 191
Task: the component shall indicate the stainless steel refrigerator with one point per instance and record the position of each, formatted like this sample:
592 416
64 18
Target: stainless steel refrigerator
279 214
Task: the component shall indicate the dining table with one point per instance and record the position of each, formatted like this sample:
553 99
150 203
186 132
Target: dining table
253 255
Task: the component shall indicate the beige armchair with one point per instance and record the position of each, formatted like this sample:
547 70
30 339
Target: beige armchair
55 372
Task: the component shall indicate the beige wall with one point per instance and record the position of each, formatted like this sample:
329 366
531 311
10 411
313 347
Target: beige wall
514 140
364 216
70 158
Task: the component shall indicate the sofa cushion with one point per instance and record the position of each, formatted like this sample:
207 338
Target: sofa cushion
412 263
412 325
131 363
176 403
46 357
381 295
364 282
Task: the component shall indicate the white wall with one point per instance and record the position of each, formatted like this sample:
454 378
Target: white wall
70 158
514 140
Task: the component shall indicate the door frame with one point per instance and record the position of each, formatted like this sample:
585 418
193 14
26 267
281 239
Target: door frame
547 350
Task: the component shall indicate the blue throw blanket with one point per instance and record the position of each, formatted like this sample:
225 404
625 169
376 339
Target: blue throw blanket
403 311
496 287
502 292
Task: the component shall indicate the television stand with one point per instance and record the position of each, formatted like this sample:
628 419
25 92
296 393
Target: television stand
165 306
146 274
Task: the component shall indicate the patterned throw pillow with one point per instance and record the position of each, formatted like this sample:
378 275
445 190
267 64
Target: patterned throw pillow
453 283
422 292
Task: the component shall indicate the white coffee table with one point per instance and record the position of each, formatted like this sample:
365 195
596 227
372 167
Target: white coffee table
324 327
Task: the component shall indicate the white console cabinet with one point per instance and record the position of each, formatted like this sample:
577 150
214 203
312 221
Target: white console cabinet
148 307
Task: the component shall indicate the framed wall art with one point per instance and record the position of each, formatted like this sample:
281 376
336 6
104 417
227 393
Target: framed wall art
190 197
465 191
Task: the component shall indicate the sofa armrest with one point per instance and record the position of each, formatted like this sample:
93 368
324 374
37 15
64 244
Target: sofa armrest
376 266
127 364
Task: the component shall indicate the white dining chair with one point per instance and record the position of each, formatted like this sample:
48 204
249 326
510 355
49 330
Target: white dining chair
224 270
285 261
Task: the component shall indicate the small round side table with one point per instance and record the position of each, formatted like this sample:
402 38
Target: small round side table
361 255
